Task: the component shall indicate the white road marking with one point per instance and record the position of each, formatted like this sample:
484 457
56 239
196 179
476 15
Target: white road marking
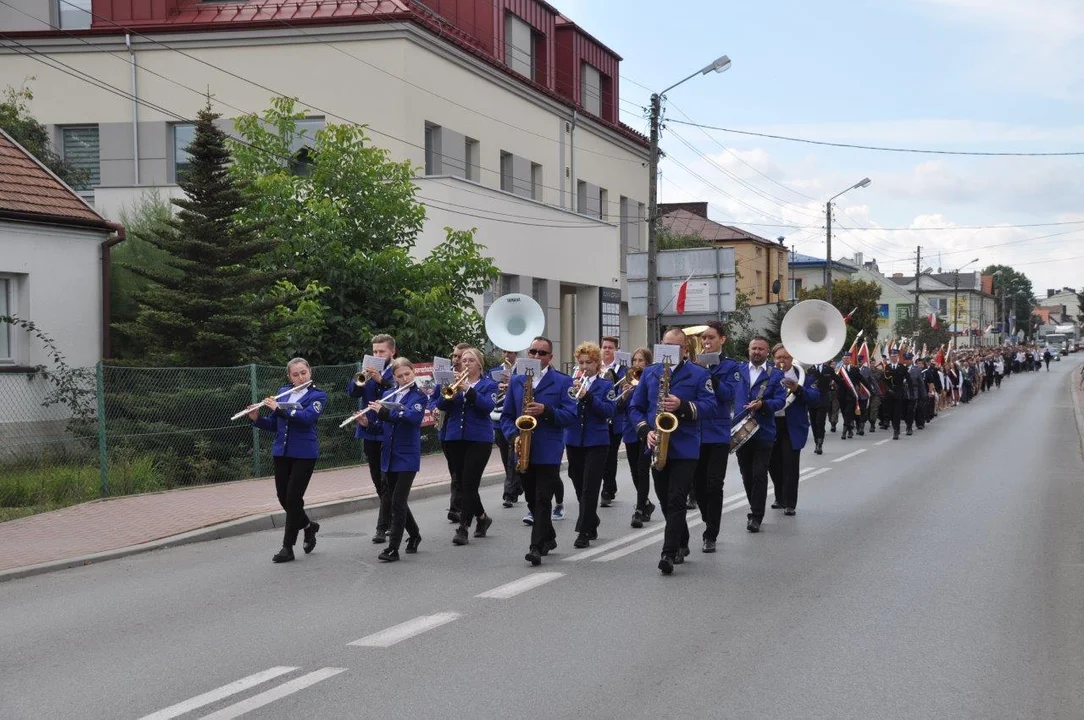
606 547
405 631
519 586
814 474
277 693
217 694
882 442
803 471
849 455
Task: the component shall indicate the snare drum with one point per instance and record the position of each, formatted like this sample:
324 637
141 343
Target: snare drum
742 431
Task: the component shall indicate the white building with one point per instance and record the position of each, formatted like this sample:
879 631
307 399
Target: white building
962 300
508 109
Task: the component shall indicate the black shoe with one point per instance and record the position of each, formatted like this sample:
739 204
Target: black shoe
753 525
592 534
872 429
896 435
709 546
453 517
861 432
508 503
646 512
310 537
412 544
833 427
534 556
666 564
286 554
910 431
581 541
389 555
460 536
679 558
776 505
819 450
685 551
637 519
606 501
380 537
483 526
789 511
548 546
691 504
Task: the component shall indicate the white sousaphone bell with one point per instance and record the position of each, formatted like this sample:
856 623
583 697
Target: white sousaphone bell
513 321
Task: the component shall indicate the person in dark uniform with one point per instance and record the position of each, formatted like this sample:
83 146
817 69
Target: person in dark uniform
874 376
824 376
691 399
919 391
934 389
911 383
612 371
1047 357
512 486
295 451
468 439
715 437
635 452
455 500
587 439
554 410
850 396
791 432
375 384
398 417
758 391
896 391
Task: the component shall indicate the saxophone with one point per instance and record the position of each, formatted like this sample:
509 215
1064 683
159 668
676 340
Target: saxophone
665 422
525 424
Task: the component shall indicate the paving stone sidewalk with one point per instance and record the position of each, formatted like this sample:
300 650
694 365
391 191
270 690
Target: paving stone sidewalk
107 525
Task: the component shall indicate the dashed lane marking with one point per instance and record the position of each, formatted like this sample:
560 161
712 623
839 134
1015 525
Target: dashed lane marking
606 547
217 694
405 631
522 585
882 442
850 455
276 693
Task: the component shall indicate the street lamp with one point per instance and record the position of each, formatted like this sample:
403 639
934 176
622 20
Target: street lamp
864 182
956 302
722 64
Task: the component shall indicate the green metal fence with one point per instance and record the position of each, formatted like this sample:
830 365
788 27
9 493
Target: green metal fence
147 429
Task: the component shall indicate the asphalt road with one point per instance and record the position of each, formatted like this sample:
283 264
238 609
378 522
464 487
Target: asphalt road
938 576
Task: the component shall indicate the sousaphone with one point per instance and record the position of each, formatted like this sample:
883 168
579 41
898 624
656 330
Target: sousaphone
513 321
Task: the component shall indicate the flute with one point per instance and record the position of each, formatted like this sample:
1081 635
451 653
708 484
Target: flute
280 396
359 413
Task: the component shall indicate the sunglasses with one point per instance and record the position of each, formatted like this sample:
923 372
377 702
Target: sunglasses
540 353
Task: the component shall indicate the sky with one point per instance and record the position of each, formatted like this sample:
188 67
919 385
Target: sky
958 75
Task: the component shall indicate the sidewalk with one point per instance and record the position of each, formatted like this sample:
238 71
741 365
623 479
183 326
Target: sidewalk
107 529
1077 393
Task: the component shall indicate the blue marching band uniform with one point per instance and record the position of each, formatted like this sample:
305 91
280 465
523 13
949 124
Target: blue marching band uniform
588 427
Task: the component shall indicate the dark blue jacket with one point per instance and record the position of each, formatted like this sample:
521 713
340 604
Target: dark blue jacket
468 412
717 429
774 397
691 383
548 440
593 414
797 412
370 391
295 430
401 433
619 419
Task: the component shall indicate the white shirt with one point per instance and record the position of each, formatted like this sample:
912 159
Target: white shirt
539 376
791 374
754 373
296 395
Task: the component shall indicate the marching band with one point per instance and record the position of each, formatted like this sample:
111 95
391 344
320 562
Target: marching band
679 411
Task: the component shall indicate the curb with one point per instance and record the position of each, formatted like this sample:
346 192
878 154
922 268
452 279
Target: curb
1078 403
233 528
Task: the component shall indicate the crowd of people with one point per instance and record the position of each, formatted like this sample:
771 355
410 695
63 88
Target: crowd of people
679 421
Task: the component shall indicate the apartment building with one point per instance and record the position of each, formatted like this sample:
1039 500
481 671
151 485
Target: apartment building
508 109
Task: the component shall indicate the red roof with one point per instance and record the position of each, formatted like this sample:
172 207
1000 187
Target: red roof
683 222
28 190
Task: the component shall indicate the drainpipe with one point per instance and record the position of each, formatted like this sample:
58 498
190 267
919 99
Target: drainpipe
118 237
135 108
572 163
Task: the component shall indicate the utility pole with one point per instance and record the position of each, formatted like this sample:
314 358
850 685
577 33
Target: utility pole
918 282
652 221
828 253
955 306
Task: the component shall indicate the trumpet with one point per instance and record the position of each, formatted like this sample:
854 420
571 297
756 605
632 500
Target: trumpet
280 396
629 382
450 391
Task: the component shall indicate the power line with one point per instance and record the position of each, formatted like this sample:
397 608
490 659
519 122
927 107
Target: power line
874 147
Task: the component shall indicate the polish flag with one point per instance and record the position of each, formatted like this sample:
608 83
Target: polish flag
682 294
940 359
933 320
847 317
863 354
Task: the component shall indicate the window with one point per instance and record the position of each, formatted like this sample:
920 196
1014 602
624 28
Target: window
183 135
74 14
603 202
609 311
5 329
519 45
432 149
80 148
759 250
538 291
301 147
760 281
506 284
507 172
590 89
795 286
624 207
536 181
473 156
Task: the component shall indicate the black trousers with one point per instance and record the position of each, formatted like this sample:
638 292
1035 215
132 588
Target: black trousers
847 407
874 404
538 484
468 461
894 411
908 412
372 457
817 417
783 466
640 469
513 487
585 468
558 489
455 502
394 503
753 459
833 409
292 477
708 485
609 472
920 411
672 485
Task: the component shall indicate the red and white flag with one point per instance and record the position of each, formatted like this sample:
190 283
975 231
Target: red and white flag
989 328
847 317
933 321
682 294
